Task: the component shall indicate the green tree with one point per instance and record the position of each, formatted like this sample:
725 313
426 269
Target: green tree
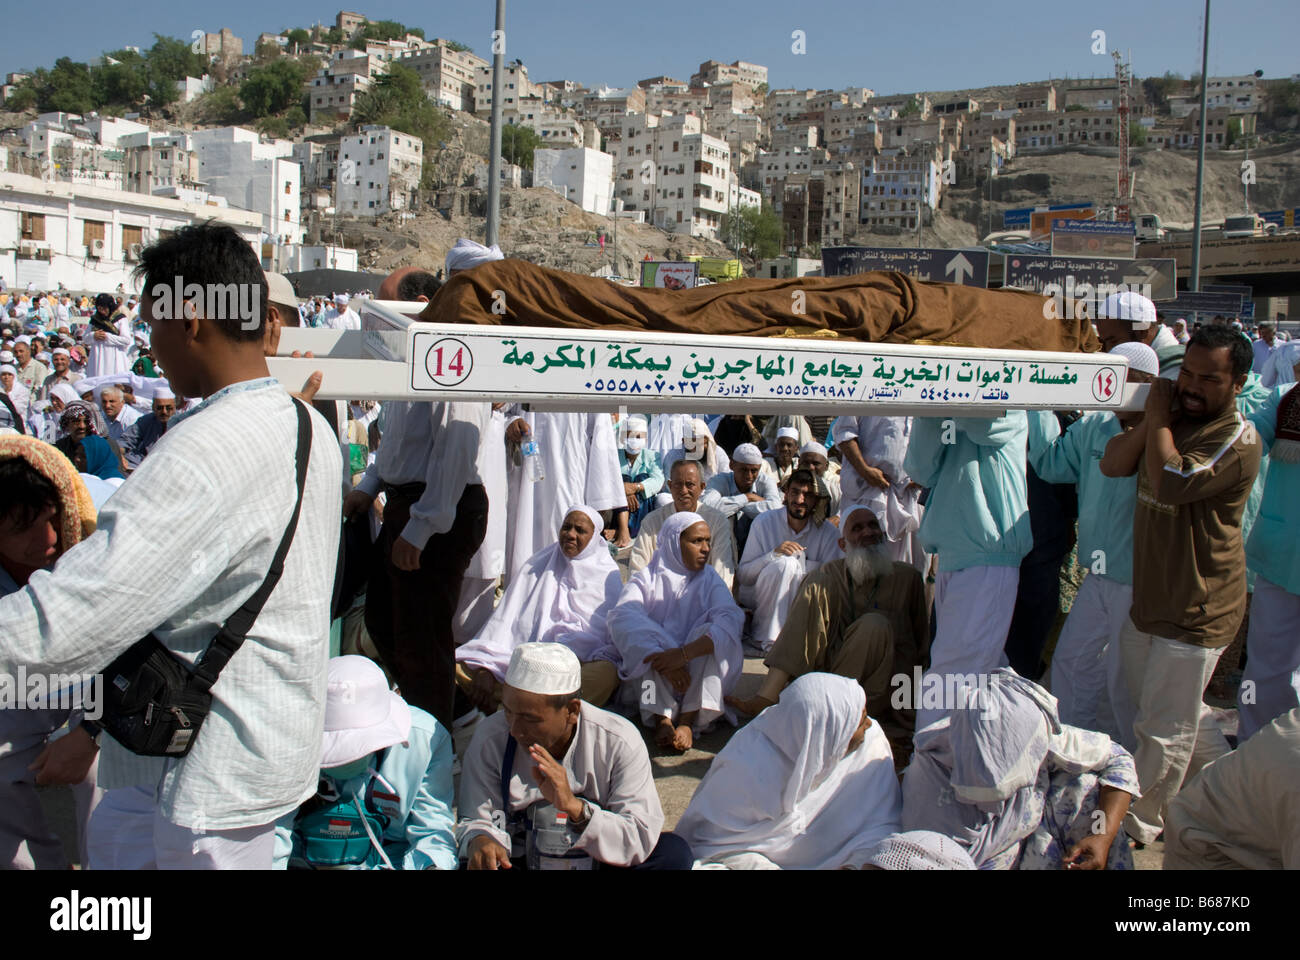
221 106
299 37
333 35
1137 134
22 99
518 143
383 31
459 47
171 60
911 108
296 117
398 100
274 87
124 83
68 87
753 229
273 127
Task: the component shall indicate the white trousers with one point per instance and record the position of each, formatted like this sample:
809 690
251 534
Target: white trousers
128 833
1175 731
771 595
477 601
1078 680
1270 685
703 697
973 610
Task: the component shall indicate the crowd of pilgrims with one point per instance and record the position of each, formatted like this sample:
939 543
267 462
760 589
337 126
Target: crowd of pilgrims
502 629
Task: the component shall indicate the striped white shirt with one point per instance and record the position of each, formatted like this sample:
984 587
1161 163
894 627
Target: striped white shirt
180 546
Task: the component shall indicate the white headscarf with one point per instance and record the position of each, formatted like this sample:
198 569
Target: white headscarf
665 605
467 254
553 600
784 788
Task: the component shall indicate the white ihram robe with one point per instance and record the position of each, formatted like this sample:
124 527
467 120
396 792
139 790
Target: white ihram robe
768 580
784 789
580 457
883 444
478 589
665 606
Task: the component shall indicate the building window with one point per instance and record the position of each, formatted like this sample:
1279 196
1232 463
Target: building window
131 235
92 230
33 226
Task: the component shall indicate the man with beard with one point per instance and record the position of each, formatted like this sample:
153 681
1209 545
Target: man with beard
861 616
784 545
1195 461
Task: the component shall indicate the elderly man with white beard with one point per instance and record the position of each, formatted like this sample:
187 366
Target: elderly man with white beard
862 616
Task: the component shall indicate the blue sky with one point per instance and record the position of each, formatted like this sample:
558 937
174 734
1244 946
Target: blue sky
890 47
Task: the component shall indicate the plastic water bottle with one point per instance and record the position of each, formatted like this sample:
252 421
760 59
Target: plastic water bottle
532 454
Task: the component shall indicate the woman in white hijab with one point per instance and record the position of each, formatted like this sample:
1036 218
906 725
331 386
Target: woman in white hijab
561 595
806 785
1017 788
697 444
677 630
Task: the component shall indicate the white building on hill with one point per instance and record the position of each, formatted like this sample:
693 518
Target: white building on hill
582 175
379 172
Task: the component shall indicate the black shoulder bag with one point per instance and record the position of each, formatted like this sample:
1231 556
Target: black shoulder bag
154 703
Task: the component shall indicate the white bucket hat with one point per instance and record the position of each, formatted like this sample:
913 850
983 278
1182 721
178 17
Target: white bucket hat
362 714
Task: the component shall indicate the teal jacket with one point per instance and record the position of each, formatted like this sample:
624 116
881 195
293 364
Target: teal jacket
978 511
1273 550
422 836
1106 504
1253 396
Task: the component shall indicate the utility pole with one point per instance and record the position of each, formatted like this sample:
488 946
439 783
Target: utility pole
1195 282
494 140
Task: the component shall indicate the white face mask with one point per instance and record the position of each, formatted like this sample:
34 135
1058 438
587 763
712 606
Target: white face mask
634 445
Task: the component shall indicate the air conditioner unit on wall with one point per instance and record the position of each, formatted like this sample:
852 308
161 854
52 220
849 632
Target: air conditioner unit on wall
27 250
97 247
133 251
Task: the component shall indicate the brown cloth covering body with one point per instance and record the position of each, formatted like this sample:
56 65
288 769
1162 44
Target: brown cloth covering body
880 307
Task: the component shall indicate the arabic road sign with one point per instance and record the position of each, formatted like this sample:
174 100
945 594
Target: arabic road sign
1151 278
558 367
1228 304
967 267
1093 238
1020 217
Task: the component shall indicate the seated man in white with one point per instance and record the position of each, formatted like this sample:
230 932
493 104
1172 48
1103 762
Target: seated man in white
783 545
812 456
745 493
686 485
807 785
561 595
677 630
1241 812
553 783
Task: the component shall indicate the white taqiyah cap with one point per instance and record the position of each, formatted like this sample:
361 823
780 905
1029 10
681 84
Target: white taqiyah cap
1139 357
546 668
362 714
1133 307
849 511
638 423
163 393
60 352
747 453
790 432
812 446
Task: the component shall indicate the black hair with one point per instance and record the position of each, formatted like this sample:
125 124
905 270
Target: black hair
805 476
24 493
695 463
417 283
215 257
558 701
1240 352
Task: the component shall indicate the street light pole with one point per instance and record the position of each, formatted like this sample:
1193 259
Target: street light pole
494 149
1195 282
